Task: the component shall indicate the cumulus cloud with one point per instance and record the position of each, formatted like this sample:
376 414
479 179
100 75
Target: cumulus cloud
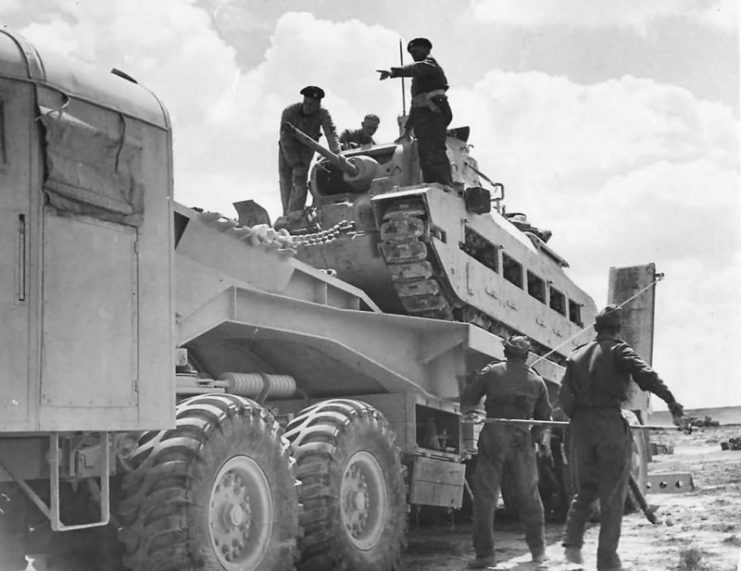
696 308
625 171
583 136
635 14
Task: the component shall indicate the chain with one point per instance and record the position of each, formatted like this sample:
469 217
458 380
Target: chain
343 227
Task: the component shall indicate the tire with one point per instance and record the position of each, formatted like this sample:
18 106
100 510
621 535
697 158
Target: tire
217 493
352 488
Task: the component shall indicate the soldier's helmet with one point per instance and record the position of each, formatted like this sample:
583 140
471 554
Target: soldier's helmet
609 316
517 345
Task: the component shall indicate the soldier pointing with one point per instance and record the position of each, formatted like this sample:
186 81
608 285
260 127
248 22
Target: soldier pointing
430 114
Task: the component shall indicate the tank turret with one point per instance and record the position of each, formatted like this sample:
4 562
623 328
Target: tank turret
357 171
440 251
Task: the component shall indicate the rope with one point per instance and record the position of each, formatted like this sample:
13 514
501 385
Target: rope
659 277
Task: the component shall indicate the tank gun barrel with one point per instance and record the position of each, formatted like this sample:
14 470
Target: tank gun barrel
339 161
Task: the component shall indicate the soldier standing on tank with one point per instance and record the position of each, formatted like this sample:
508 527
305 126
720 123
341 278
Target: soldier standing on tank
430 114
593 389
363 137
512 390
294 157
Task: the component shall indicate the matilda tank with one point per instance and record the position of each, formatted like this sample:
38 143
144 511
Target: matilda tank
437 251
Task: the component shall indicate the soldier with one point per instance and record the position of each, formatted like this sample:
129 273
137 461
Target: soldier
594 386
294 157
430 114
512 390
362 137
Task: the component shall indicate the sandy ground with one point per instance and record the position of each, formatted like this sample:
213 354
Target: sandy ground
698 530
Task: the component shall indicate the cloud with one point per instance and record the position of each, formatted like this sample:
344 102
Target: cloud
581 136
624 171
696 310
634 14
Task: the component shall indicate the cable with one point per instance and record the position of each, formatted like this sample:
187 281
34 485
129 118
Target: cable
658 278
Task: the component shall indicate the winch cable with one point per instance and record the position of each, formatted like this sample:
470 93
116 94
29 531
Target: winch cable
658 278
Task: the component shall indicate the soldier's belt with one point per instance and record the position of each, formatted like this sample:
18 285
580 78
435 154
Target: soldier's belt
425 99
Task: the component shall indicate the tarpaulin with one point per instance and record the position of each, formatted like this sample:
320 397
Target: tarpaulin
93 159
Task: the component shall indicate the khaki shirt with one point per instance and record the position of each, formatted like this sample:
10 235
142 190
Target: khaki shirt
294 151
597 375
512 390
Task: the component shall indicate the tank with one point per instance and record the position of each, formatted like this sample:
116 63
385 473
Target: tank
430 250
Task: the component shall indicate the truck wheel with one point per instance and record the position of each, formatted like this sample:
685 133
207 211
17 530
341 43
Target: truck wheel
353 493
217 492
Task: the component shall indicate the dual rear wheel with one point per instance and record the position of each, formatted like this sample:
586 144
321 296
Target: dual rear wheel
218 492
215 493
352 488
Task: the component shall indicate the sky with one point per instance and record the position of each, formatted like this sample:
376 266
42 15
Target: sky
614 124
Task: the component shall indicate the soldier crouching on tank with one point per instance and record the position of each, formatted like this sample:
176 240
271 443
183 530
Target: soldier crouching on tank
430 114
294 157
512 390
593 389
363 137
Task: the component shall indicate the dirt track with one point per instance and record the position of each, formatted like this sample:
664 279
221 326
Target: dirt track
698 530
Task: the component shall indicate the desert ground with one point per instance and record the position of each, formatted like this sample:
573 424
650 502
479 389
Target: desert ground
698 529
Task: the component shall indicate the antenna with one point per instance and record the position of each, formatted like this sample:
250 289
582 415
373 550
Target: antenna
403 87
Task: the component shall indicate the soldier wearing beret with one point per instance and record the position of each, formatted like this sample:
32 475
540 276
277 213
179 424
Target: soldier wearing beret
593 389
512 390
430 114
363 137
294 157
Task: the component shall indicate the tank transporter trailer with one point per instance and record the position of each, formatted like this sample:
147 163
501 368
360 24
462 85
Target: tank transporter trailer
179 390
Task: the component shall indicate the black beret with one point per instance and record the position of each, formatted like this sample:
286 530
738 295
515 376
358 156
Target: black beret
419 42
312 92
609 316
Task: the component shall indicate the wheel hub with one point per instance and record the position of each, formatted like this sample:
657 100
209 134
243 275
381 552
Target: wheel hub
236 515
360 501
364 500
240 514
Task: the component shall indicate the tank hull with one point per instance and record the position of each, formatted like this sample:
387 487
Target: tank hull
424 254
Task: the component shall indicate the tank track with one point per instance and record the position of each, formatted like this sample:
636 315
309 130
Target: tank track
414 268
418 276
